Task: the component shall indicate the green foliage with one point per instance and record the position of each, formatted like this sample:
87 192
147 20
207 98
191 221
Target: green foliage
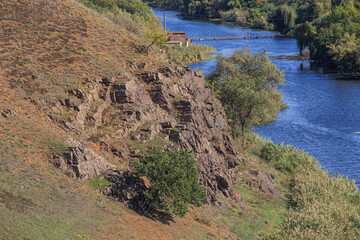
321 206
246 85
286 158
134 7
187 55
101 5
333 39
173 179
284 18
128 14
97 183
155 34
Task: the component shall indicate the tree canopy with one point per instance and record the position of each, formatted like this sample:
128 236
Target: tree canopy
155 34
246 84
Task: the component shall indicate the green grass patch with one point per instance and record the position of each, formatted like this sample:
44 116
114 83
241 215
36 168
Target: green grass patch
97 183
264 213
188 55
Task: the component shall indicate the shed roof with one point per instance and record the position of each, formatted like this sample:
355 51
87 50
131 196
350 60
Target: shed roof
178 32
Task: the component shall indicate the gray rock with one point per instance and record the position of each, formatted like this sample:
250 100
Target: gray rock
80 161
262 181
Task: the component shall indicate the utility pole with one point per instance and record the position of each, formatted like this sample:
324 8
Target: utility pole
164 22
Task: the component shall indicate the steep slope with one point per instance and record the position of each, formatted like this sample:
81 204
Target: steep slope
77 95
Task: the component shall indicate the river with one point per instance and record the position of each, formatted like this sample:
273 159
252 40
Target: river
323 117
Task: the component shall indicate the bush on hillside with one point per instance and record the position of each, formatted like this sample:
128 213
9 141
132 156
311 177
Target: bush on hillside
323 207
286 158
173 180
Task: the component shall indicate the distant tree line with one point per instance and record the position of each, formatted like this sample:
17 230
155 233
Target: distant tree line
330 29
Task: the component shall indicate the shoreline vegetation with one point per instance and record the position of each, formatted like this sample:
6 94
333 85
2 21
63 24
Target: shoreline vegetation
189 55
329 29
320 205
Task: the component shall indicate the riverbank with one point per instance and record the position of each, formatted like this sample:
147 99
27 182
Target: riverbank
319 205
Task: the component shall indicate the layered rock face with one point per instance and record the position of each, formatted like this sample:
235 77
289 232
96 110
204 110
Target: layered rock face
199 125
171 105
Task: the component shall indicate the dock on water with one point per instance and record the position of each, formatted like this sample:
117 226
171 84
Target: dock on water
236 36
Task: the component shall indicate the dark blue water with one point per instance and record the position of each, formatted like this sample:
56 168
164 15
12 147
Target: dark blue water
323 117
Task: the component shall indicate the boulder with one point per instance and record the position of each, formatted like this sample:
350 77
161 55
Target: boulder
127 188
80 161
262 181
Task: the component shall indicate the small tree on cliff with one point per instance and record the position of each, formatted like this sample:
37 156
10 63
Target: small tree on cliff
246 85
155 34
173 179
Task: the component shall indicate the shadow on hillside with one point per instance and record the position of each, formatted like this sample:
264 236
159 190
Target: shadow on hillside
157 215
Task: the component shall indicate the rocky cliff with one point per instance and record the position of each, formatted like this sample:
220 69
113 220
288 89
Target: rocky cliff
127 113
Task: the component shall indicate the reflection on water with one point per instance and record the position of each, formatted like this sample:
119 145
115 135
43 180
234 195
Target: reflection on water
323 117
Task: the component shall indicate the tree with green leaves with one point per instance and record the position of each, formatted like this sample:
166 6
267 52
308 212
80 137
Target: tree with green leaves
155 34
246 84
173 179
303 34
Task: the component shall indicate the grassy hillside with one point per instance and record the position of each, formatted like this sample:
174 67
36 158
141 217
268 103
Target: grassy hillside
48 49
52 49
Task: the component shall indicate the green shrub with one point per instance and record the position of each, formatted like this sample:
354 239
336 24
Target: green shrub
173 179
324 207
134 7
286 158
130 14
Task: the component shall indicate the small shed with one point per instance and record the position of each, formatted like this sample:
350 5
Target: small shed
178 38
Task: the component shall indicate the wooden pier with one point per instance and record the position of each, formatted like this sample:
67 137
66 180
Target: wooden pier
236 36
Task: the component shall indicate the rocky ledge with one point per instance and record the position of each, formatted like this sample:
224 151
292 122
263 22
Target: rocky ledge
170 104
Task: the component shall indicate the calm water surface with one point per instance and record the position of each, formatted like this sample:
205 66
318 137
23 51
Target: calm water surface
323 117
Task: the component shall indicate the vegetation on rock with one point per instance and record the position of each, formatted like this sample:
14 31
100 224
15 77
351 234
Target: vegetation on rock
173 179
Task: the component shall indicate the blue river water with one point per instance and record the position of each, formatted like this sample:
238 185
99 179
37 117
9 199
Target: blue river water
323 117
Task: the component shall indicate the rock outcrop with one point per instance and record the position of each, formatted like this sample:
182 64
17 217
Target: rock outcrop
126 188
262 181
170 104
80 161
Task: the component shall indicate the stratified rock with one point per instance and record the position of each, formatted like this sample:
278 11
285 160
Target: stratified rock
200 127
172 104
80 161
130 92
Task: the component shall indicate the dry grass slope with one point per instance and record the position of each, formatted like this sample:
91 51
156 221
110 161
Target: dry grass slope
48 47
